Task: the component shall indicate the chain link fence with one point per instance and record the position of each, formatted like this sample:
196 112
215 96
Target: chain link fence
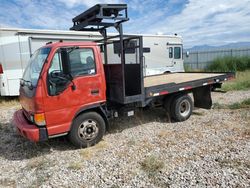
198 60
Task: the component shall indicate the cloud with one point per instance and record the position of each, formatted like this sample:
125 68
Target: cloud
146 17
4 25
207 22
33 14
44 14
199 22
86 3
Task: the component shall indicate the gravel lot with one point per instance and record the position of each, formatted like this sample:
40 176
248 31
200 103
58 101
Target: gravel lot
211 149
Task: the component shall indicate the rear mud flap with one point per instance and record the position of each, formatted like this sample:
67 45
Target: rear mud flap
202 97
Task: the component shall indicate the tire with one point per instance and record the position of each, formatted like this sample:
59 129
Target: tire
167 103
181 108
167 72
87 130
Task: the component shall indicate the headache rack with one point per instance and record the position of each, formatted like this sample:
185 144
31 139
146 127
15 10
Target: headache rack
101 16
124 81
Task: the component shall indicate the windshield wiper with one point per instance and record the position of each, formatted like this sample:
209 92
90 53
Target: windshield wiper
27 83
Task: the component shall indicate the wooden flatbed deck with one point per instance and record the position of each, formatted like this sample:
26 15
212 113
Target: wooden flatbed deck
176 78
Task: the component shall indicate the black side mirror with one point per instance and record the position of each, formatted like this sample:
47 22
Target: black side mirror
65 61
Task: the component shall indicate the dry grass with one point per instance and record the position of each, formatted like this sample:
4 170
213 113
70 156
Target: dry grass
89 153
242 82
123 153
131 142
75 166
7 183
244 104
246 133
37 163
238 105
101 145
152 164
245 114
9 102
198 113
233 163
246 130
146 144
164 134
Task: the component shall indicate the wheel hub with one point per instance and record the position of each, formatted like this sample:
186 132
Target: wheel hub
88 130
184 108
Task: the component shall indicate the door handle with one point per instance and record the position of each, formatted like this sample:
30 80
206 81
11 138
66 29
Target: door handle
94 91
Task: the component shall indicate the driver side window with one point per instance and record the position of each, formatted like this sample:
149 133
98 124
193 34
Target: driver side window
81 63
55 74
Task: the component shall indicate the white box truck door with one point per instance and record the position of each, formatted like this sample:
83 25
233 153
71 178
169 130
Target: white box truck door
11 63
175 56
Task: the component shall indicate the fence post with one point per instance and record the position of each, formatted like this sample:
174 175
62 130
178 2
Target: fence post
234 64
197 63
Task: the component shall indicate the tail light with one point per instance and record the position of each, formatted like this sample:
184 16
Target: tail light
1 69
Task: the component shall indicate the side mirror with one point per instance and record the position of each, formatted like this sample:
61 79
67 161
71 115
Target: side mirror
57 74
187 53
65 61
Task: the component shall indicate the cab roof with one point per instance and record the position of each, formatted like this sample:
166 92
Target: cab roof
63 44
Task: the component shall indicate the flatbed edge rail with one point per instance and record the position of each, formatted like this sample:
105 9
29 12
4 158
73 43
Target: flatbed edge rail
169 88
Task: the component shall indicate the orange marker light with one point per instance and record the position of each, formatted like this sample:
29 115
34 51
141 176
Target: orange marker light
40 119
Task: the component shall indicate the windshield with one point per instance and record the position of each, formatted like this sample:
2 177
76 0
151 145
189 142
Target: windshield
35 65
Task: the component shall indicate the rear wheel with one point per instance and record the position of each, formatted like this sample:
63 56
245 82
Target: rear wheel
87 130
181 107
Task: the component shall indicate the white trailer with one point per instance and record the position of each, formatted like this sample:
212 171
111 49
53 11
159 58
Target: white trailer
17 45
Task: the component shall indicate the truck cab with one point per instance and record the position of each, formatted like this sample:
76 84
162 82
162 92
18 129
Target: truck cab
46 112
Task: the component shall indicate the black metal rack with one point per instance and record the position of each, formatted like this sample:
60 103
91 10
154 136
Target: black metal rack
99 18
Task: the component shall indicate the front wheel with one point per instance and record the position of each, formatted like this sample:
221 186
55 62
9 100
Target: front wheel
181 108
87 130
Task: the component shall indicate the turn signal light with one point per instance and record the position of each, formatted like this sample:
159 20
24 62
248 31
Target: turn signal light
39 119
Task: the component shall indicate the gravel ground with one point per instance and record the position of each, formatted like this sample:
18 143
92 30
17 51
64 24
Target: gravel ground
211 149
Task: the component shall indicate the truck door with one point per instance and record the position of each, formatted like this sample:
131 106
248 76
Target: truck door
63 100
175 55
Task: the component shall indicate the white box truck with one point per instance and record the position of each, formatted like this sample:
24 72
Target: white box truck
17 45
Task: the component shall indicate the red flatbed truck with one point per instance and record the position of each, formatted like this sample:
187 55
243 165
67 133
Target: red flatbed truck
66 88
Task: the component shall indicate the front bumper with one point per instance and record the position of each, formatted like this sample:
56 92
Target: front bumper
27 129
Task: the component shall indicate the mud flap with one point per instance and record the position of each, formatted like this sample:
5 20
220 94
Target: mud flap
202 97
